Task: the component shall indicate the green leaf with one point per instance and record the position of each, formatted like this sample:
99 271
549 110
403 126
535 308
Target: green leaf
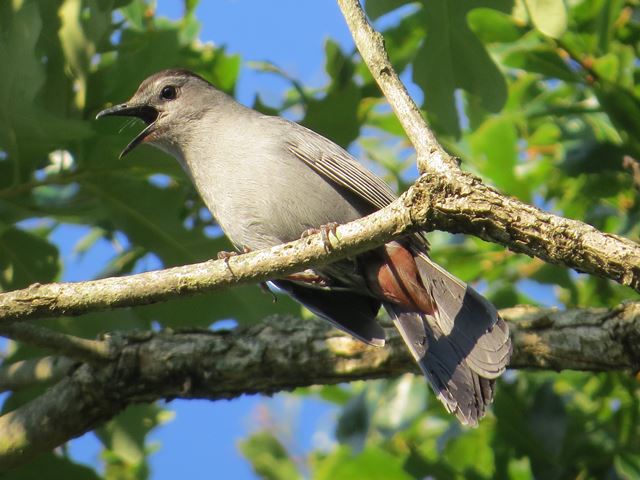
554 275
124 438
336 394
385 121
607 67
78 35
493 26
190 6
28 131
135 13
548 422
373 463
55 466
545 134
269 458
453 57
548 16
627 465
402 402
520 469
354 421
471 454
216 65
26 258
593 157
339 67
377 8
336 115
623 107
21 27
495 152
540 59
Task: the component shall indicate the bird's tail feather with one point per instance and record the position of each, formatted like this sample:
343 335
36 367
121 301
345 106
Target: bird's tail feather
462 391
469 320
462 345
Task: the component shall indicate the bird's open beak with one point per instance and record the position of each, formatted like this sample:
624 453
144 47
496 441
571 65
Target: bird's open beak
145 113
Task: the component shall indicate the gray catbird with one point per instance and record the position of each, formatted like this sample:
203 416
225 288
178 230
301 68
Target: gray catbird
267 180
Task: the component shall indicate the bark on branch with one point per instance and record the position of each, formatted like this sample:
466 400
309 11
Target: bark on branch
283 353
462 204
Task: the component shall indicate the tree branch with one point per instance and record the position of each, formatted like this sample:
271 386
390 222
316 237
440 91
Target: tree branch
370 43
62 343
462 204
38 371
283 353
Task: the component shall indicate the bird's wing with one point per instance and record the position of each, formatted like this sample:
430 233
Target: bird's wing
335 164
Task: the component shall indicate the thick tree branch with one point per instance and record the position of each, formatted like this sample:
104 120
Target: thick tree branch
464 204
59 299
283 353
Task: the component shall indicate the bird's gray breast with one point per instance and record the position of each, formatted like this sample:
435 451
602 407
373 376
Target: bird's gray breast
260 193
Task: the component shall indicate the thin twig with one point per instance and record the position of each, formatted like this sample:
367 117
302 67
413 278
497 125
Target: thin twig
61 343
36 371
431 155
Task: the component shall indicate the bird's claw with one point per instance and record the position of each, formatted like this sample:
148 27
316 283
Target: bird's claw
223 255
325 232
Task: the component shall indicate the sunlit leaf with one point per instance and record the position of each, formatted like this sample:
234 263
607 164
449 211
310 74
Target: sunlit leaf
453 57
268 457
372 463
549 16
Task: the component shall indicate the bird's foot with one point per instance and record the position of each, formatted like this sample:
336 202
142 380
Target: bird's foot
325 232
224 255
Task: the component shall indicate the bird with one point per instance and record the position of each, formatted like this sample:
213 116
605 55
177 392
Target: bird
268 180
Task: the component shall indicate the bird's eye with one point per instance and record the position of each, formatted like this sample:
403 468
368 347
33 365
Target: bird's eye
169 92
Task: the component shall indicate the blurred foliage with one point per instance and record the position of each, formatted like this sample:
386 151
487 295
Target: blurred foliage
539 97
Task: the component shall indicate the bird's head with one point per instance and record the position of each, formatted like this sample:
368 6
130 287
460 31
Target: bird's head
167 102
